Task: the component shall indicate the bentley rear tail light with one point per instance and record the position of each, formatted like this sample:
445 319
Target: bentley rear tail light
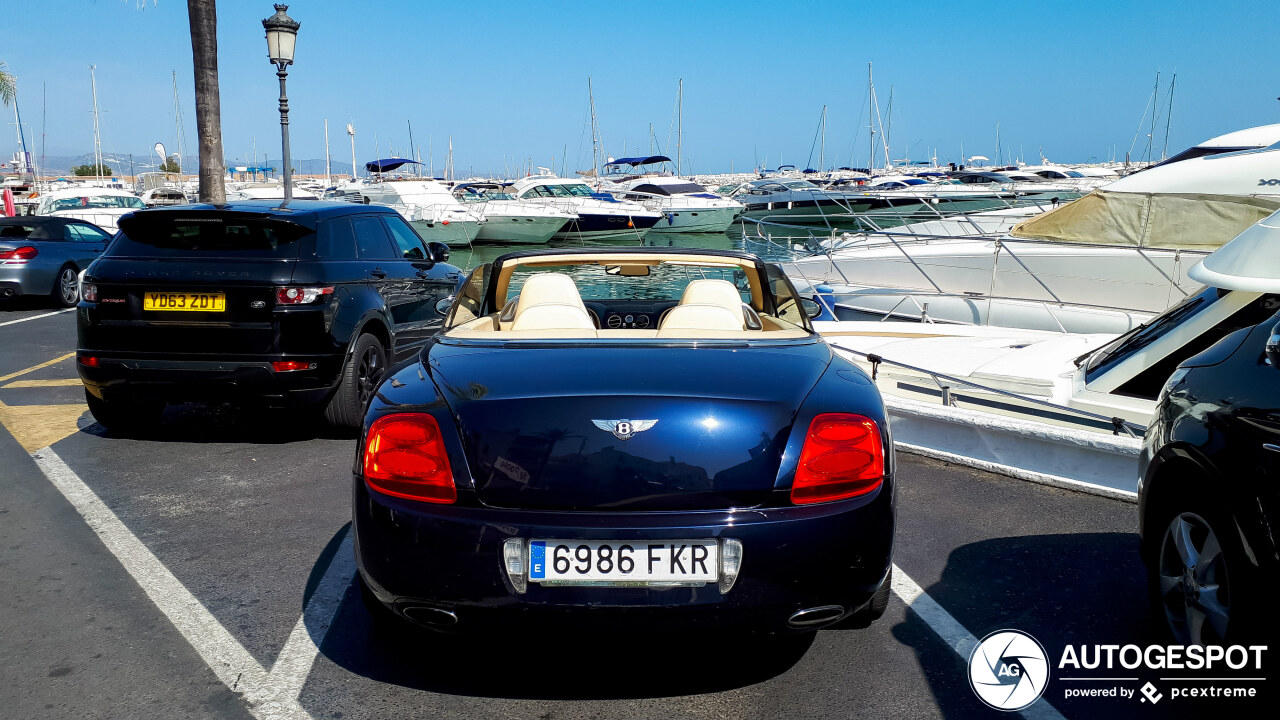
842 458
26 252
405 456
301 295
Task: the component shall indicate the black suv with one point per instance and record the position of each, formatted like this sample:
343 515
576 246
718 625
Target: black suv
1209 491
302 305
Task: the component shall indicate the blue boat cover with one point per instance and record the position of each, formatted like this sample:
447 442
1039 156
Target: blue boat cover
634 161
387 164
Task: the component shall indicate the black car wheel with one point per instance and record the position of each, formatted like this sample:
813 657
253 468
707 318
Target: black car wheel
360 378
124 414
65 290
1197 579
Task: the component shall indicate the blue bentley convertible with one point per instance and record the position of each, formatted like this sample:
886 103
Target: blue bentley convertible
624 436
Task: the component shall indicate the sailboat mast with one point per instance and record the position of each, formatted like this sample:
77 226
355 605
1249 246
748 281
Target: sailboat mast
1151 136
595 140
871 123
998 157
351 133
326 154
417 171
177 123
679 125
97 137
1168 118
822 148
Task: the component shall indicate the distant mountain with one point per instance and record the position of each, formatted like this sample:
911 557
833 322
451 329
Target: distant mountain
122 164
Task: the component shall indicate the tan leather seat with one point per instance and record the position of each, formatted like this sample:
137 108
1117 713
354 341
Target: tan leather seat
550 301
686 320
712 292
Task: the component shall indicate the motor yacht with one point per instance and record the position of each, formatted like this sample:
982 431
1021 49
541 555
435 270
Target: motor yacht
504 219
599 215
686 206
100 206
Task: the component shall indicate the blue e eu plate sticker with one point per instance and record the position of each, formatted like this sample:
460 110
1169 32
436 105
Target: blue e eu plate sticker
537 559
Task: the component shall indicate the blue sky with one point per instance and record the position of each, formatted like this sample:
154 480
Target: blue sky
508 80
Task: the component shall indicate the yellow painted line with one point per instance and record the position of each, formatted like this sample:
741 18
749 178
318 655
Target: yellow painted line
63 382
33 368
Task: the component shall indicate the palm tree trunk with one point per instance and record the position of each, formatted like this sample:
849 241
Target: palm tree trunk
204 53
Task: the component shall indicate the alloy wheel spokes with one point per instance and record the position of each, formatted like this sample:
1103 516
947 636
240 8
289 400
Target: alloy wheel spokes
1183 543
1195 625
1210 603
68 285
1170 585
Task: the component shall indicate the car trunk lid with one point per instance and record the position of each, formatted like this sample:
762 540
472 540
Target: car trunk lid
592 428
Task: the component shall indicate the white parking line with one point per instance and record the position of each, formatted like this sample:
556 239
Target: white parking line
953 633
36 317
271 694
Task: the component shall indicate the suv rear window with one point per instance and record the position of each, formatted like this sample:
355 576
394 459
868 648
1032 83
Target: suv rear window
207 237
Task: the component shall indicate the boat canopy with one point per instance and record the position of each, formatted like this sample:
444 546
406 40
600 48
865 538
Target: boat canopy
1176 221
387 164
636 161
1250 262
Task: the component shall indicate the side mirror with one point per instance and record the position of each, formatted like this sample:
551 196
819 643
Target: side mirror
1273 346
438 251
811 307
443 304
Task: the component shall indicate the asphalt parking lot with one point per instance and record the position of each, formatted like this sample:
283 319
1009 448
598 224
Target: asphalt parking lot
205 572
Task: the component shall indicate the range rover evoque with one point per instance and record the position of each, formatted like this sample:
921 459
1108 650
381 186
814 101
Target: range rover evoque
297 306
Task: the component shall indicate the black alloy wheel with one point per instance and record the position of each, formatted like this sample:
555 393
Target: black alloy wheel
361 375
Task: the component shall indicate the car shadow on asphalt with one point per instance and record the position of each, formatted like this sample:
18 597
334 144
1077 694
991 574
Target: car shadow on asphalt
230 423
1069 589
577 665
27 302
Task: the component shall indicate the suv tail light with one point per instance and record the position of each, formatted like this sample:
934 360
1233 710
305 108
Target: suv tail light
405 456
301 295
26 252
89 292
842 457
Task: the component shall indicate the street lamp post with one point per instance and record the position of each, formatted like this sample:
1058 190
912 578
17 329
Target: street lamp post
282 33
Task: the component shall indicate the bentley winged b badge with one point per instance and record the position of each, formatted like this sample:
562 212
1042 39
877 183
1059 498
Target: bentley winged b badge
624 429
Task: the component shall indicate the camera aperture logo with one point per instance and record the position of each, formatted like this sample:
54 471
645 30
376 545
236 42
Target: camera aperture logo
1008 670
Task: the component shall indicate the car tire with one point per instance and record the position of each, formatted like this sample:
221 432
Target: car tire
124 415
361 374
1201 586
873 610
66 290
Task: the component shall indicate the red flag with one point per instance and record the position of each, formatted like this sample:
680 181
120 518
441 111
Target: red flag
9 209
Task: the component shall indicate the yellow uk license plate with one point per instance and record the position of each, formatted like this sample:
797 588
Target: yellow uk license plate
185 301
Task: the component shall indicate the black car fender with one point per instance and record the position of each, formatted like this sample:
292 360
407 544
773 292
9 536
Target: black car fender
370 318
1180 470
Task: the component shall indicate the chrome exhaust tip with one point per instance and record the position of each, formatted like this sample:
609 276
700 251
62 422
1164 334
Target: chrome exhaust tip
430 616
811 617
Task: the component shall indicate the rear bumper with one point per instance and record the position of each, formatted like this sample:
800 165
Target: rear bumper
173 378
25 280
416 555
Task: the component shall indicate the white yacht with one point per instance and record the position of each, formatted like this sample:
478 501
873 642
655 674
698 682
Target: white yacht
600 216
503 219
1128 245
100 206
685 205
428 205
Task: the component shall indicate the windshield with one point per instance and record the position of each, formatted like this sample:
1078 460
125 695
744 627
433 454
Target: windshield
1131 342
94 202
1073 173
680 188
800 185
664 281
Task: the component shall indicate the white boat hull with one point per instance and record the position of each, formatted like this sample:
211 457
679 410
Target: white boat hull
518 230
690 220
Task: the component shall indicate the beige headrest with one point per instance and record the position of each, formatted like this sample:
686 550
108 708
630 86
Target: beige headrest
548 288
553 317
701 317
712 292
